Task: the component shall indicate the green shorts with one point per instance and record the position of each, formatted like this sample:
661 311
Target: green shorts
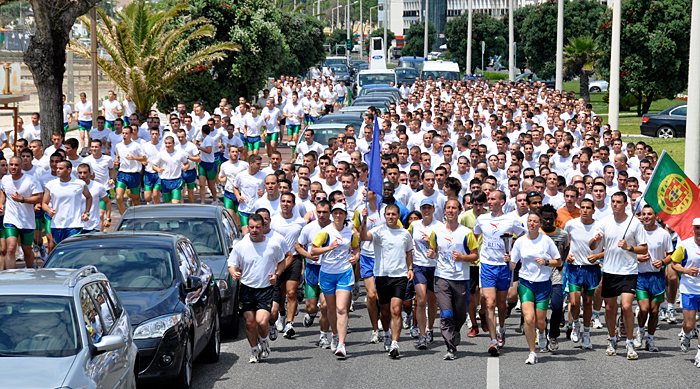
293 130
577 288
133 191
528 295
244 218
274 137
175 194
47 224
210 173
644 295
253 146
311 291
25 236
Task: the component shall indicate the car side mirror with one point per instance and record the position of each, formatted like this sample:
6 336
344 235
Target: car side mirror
109 343
193 284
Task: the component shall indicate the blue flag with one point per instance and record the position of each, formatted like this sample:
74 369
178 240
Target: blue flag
375 179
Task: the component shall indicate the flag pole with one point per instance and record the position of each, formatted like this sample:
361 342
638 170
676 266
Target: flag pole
636 207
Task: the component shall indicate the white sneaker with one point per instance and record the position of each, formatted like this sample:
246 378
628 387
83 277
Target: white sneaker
650 346
254 356
407 321
542 343
415 332
671 316
289 331
663 316
394 351
334 343
376 338
638 338
340 351
279 324
631 353
697 360
685 344
387 343
265 346
576 332
596 322
610 350
587 341
323 342
531 359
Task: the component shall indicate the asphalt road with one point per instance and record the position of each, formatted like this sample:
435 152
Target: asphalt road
299 363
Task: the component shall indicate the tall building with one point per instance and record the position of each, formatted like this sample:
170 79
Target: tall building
396 20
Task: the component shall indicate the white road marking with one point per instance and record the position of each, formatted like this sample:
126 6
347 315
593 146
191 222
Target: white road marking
492 374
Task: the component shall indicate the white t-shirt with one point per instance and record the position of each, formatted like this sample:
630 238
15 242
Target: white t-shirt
248 186
617 260
105 136
308 233
390 248
271 205
492 228
256 261
206 142
81 108
581 234
151 151
98 191
438 199
296 111
303 148
100 167
190 150
21 215
129 107
272 122
254 125
230 170
290 229
688 255
108 106
67 111
336 261
420 246
171 162
527 251
445 242
67 199
659 243
128 165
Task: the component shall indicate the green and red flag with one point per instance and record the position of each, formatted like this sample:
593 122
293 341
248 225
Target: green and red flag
674 197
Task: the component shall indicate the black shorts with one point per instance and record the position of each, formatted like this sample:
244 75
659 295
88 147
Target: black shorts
410 292
390 287
293 271
473 278
614 285
255 299
516 272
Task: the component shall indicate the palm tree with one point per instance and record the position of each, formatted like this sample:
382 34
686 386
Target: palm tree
147 54
579 56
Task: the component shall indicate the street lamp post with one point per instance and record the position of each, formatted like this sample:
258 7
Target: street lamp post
614 103
511 40
370 17
347 25
425 33
386 27
469 39
560 46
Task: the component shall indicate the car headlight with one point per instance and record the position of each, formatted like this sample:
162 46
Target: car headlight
157 327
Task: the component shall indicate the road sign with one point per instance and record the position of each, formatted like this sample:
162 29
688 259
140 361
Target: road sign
483 47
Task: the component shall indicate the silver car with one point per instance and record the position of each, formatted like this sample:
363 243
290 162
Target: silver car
63 328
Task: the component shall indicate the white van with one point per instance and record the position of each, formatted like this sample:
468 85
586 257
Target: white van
377 60
440 68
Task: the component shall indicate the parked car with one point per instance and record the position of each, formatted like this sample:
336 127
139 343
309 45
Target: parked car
532 77
213 233
598 86
170 295
63 328
669 123
433 55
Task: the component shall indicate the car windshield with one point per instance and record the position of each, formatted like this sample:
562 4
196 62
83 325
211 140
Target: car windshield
321 135
334 61
435 74
127 268
38 326
203 232
418 65
373 79
338 69
407 73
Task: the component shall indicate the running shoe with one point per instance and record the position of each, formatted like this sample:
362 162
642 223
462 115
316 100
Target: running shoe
289 331
387 343
680 334
631 353
611 347
450 356
576 332
280 323
694 333
697 360
685 344
552 344
638 338
265 347
376 337
484 324
596 322
650 346
663 316
407 321
542 342
323 342
473 332
273 332
415 332
340 351
254 356
587 341
671 316
334 343
493 350
394 351
352 306
429 335
422 343
309 320
501 337
531 359
355 292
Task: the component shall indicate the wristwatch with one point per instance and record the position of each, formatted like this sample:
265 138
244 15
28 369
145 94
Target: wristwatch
546 262
109 219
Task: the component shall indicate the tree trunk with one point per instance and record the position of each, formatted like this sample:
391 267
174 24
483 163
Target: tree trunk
647 105
46 56
640 96
583 86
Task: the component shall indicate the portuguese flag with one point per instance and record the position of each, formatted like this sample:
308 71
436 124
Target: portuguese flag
674 197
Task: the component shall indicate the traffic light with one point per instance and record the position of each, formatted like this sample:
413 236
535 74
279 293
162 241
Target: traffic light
348 45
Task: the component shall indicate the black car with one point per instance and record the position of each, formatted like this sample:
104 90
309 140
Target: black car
532 77
383 90
212 231
669 123
407 75
342 73
170 295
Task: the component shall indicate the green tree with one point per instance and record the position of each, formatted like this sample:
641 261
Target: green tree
305 38
485 28
414 39
148 53
536 31
579 56
339 37
654 49
253 25
380 33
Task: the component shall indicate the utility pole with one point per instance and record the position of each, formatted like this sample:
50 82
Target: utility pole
347 29
560 46
425 34
469 39
362 33
386 27
93 60
511 40
614 104
692 137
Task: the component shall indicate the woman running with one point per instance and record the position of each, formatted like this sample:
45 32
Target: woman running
538 255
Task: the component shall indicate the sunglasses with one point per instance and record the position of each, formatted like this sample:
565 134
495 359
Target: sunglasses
320 198
530 176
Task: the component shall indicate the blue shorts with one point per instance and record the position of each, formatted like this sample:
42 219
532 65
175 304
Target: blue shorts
150 180
167 186
312 274
127 121
84 125
341 100
542 290
60 234
189 176
242 137
424 275
366 266
690 302
653 283
583 277
207 166
218 157
495 276
109 124
131 180
331 282
253 139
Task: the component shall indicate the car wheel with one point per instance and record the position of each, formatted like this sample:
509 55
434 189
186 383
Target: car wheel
184 379
666 132
595 89
213 349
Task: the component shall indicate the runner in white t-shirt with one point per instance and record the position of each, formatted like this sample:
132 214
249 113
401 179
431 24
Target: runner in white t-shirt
189 176
63 203
170 163
111 109
98 192
272 116
84 110
245 188
227 175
